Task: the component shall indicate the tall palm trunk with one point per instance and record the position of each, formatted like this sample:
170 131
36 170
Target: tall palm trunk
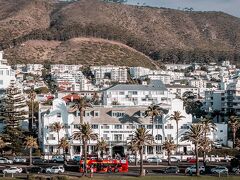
169 161
30 156
177 136
204 153
234 137
58 144
152 125
101 154
136 158
81 116
85 155
197 163
32 103
141 161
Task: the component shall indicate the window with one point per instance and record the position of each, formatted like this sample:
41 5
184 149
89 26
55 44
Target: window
131 127
149 149
221 130
117 114
96 113
158 149
185 126
1 82
76 126
94 126
105 137
121 93
51 137
158 137
1 72
158 126
169 137
66 126
149 126
87 113
118 126
169 126
7 72
105 127
58 114
118 137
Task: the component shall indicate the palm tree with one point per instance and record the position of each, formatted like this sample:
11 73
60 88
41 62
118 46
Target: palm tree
176 116
238 144
205 146
85 134
134 150
234 124
194 134
30 143
31 96
56 127
169 146
2 144
153 111
141 139
207 125
64 145
101 146
80 104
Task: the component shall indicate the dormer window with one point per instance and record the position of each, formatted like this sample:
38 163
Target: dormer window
96 113
58 114
87 113
117 114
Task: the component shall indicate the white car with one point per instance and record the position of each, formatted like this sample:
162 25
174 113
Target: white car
19 159
217 145
5 161
174 159
154 160
12 170
192 170
213 158
55 169
219 169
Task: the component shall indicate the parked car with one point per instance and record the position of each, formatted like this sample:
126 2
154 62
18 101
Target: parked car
217 145
174 159
5 161
77 158
131 159
19 159
57 159
213 158
55 169
37 160
12 170
236 170
154 160
191 160
192 170
219 169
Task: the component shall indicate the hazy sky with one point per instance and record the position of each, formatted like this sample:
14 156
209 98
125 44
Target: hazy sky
229 6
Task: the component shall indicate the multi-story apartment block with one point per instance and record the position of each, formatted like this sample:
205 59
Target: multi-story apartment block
7 74
61 68
137 95
177 66
116 125
137 72
112 73
166 79
179 90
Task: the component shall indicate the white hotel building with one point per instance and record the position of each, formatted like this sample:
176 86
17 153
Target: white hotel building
116 125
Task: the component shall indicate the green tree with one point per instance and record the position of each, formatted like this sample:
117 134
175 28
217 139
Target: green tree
30 143
31 96
56 127
101 146
80 104
64 145
169 146
194 134
14 107
207 125
176 116
234 125
141 139
2 144
85 134
134 150
153 111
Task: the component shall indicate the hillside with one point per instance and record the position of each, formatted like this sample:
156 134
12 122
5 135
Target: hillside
163 34
86 51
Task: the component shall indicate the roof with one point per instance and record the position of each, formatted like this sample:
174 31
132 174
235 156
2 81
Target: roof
71 97
155 85
179 86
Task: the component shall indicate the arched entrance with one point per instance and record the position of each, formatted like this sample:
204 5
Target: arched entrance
118 150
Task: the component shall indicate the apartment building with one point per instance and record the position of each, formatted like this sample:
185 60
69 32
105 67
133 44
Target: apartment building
7 74
109 72
137 95
116 125
137 72
166 79
61 68
179 90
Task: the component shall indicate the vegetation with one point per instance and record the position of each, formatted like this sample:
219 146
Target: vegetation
176 116
85 134
101 146
56 127
31 96
30 143
194 134
141 139
64 145
234 124
169 146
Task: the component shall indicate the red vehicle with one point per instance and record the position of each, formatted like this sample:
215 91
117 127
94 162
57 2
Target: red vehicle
191 160
105 165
